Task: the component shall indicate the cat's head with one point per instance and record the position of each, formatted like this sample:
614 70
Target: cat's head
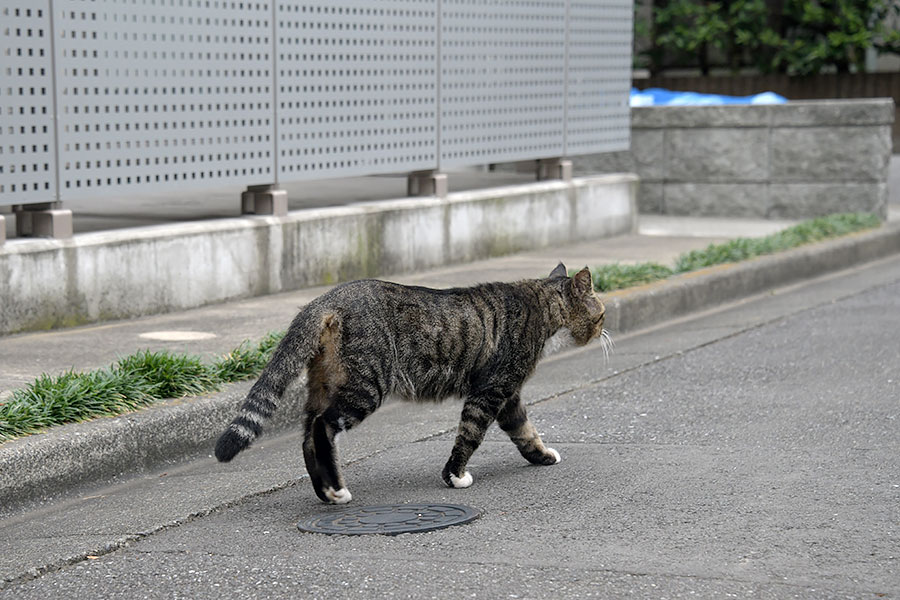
584 311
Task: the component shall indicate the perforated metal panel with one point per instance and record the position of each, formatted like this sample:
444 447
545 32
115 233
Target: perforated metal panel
163 93
502 80
599 76
27 158
356 87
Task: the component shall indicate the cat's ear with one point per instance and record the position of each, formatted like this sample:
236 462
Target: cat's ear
582 283
559 271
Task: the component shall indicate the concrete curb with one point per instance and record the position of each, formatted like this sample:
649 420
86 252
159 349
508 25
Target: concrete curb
65 458
40 466
643 306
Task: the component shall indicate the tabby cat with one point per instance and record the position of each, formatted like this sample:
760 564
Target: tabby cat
365 340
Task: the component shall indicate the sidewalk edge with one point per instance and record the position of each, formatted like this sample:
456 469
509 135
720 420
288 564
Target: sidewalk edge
644 306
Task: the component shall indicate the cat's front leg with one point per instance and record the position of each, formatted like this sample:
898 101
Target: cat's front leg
477 415
513 419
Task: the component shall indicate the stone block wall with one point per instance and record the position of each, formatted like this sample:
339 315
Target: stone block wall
794 160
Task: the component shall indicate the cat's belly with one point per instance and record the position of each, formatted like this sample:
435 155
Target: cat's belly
429 385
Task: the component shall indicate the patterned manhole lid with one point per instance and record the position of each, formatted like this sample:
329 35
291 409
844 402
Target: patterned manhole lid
390 519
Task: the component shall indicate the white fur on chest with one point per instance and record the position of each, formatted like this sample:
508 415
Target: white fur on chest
560 340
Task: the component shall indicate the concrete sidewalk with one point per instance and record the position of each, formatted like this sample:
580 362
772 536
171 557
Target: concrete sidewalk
217 329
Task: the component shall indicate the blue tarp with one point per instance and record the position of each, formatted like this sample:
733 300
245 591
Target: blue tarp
661 97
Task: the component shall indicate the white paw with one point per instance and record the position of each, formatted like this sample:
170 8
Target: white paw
462 482
342 496
555 454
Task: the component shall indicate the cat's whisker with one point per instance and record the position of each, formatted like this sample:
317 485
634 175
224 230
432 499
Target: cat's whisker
606 336
606 342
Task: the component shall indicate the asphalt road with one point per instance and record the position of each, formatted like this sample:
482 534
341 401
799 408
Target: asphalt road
749 451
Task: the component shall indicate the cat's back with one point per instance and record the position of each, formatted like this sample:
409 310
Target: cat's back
416 305
367 295
420 313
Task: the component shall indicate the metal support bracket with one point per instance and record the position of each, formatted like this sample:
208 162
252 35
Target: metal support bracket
426 183
265 199
47 219
554 168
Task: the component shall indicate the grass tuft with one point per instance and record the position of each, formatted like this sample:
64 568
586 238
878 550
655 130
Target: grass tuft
133 382
167 375
618 276
803 233
247 361
68 398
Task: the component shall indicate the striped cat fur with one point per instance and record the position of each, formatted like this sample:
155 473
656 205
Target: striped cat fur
365 340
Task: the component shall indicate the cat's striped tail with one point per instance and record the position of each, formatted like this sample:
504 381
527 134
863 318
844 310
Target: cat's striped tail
288 361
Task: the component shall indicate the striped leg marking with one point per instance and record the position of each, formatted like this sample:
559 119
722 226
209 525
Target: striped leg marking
514 421
476 418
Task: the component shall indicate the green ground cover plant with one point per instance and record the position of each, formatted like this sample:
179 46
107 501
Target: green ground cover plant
618 276
133 382
146 377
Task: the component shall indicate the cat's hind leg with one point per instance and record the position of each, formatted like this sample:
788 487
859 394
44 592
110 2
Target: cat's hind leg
320 455
513 419
327 415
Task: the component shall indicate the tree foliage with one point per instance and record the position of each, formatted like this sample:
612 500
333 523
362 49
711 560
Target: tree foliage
787 36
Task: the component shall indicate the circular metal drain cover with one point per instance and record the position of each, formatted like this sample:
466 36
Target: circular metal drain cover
390 519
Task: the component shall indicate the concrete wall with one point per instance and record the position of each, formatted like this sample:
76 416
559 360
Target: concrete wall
795 160
130 272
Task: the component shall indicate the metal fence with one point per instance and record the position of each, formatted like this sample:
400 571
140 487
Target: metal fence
106 96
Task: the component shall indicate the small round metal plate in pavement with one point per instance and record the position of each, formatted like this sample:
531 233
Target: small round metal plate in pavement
390 519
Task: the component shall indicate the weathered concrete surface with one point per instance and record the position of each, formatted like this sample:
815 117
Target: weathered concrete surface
747 452
796 160
140 271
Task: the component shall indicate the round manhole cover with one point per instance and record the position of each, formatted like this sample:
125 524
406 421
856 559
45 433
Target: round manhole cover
391 519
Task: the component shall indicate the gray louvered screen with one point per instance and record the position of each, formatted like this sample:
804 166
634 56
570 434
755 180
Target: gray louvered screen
153 95
27 158
599 76
502 80
356 87
163 94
